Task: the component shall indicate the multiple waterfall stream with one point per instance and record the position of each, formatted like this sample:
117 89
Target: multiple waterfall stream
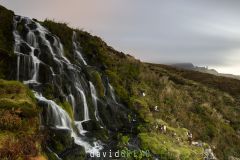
55 80
39 50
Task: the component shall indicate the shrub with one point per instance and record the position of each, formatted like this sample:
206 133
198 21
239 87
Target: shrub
23 147
10 120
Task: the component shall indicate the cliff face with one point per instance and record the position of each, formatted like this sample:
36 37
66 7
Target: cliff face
93 99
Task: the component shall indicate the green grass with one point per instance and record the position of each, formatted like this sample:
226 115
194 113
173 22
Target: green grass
96 79
68 108
19 122
14 95
200 102
168 147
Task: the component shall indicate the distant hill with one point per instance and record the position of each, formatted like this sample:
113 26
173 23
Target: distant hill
190 66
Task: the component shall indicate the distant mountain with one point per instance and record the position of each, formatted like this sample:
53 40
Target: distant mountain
190 66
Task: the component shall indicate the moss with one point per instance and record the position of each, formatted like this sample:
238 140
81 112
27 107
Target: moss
125 140
165 146
48 91
97 81
141 107
68 108
15 95
19 122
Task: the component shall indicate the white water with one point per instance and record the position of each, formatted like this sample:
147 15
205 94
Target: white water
112 93
56 116
61 120
76 48
86 112
31 39
17 39
94 99
72 102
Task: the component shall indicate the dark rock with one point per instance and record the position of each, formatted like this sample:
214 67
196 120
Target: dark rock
45 56
32 26
50 38
103 67
37 33
75 152
25 49
91 125
36 52
45 73
17 18
114 116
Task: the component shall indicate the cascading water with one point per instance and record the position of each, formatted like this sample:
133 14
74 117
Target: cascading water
94 99
56 115
76 48
31 50
112 93
72 101
86 112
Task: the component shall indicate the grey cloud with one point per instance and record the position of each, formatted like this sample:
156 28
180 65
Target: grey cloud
203 32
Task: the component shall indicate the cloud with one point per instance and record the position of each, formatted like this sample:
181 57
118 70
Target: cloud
203 32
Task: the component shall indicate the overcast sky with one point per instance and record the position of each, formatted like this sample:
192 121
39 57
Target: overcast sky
204 32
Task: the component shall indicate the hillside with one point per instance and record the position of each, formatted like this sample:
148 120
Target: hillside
190 66
119 103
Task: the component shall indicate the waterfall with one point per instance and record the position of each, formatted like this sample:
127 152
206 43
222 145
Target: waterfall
72 102
17 39
56 116
83 97
112 93
94 99
76 48
60 73
31 39
36 63
61 120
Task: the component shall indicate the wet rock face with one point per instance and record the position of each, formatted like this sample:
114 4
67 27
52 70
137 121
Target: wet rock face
60 141
25 49
114 116
91 126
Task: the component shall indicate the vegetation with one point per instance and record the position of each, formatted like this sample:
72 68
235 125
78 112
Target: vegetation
183 101
207 105
229 85
68 108
20 137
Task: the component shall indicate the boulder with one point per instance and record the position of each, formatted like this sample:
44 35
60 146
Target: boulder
91 125
25 49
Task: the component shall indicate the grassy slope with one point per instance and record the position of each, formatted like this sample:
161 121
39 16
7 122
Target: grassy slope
19 122
205 104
